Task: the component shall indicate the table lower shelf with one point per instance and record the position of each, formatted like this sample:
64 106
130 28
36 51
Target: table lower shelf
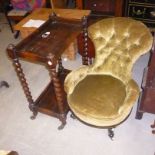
47 102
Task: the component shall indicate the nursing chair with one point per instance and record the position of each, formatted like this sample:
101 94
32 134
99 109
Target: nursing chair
102 94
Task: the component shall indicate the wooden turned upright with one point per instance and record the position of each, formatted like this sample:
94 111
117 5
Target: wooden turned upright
22 79
47 50
52 62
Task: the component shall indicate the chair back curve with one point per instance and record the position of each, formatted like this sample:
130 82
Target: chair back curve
119 42
103 94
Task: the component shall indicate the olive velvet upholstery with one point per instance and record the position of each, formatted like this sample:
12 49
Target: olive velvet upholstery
103 94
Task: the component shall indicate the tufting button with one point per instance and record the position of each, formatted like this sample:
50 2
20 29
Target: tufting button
117 41
137 42
126 34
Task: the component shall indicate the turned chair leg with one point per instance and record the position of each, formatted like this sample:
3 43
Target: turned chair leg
59 93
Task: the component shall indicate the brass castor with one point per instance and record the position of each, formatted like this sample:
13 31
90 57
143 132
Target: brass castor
111 133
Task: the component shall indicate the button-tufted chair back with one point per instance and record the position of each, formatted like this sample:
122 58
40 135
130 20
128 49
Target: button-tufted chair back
103 93
118 43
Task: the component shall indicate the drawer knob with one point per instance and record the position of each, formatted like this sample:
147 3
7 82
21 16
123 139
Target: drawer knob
152 13
94 4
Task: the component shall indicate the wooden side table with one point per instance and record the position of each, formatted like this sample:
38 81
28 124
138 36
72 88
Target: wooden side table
46 45
146 102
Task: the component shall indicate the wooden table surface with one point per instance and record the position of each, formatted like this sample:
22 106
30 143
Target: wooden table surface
43 14
60 35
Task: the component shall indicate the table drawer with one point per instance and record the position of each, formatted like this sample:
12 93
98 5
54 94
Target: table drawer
143 1
100 5
142 12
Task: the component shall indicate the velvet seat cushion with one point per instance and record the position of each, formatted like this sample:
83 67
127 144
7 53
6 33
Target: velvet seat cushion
97 99
87 96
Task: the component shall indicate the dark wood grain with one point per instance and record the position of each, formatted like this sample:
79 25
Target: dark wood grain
102 7
62 33
13 153
47 102
47 49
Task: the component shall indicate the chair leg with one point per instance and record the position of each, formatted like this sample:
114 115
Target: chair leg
139 114
73 116
9 21
153 127
16 35
12 30
11 27
4 83
111 133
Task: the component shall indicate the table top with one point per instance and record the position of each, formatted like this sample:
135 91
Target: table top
52 37
43 14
